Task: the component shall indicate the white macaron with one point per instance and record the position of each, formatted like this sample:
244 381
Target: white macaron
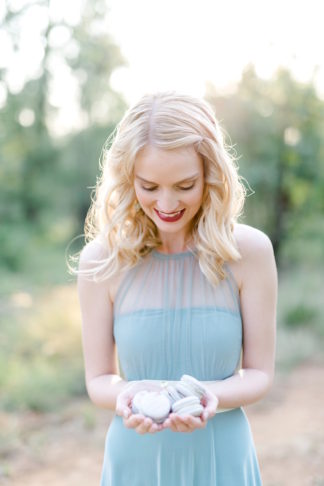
137 401
195 410
172 393
152 404
192 383
184 403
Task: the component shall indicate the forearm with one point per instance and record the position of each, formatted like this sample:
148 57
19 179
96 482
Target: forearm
245 387
103 390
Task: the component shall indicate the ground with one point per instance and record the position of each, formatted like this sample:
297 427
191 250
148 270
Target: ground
66 449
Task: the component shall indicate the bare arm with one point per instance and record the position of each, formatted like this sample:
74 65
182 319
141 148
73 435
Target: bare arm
103 382
258 304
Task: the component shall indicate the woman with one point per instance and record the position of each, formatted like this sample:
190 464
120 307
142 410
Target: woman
172 282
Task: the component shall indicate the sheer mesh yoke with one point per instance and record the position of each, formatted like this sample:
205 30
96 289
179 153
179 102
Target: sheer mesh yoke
169 321
174 281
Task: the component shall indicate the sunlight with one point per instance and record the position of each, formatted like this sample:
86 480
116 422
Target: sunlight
174 45
180 45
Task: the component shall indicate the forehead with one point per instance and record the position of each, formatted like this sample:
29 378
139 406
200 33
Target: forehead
158 164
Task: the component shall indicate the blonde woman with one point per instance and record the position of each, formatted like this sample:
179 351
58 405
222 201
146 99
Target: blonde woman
170 281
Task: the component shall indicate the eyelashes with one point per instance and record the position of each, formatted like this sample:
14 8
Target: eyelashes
181 188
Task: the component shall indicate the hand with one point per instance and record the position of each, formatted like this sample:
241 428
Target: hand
210 402
139 422
189 423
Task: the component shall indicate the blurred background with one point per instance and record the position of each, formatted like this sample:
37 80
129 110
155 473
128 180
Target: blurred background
68 71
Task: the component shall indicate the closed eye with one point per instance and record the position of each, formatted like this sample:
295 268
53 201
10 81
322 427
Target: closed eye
181 188
186 188
148 188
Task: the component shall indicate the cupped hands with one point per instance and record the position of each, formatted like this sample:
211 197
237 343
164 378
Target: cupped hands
174 422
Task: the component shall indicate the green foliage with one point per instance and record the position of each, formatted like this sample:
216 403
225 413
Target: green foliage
277 126
96 59
300 333
12 239
79 168
300 300
44 181
301 315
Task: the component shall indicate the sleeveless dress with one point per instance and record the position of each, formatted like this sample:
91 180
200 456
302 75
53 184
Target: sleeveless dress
169 321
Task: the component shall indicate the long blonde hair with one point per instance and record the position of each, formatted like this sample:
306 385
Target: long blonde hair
166 120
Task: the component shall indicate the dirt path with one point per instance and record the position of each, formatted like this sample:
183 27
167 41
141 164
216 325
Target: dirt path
67 450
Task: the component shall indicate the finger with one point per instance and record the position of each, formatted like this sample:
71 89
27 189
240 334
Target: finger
179 424
133 421
203 400
170 423
176 424
155 428
166 424
122 404
211 409
123 411
193 422
211 405
205 415
144 426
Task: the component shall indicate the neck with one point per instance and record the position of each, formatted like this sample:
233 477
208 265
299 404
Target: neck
176 245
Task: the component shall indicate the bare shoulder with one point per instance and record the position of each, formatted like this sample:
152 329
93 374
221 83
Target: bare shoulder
251 240
95 251
91 252
255 248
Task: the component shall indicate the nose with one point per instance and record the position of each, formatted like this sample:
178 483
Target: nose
167 203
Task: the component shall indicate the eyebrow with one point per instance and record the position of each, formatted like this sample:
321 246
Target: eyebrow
183 180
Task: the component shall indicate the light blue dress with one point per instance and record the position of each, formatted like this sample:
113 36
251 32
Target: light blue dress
169 321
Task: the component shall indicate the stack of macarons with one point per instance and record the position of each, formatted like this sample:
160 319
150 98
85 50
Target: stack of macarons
182 398
191 391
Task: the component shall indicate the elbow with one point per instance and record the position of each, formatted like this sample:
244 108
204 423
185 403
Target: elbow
90 391
268 382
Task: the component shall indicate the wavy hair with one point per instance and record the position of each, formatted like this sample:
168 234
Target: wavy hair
166 120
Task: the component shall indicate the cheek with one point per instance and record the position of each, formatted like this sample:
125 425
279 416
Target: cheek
196 197
145 198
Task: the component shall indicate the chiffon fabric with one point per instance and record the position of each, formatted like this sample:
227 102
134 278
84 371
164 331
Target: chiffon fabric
169 321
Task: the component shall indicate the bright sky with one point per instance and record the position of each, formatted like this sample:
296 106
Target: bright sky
181 43
178 44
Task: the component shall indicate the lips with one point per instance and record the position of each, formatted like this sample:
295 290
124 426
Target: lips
170 217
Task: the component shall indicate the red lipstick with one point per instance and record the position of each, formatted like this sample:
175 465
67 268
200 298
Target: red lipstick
170 219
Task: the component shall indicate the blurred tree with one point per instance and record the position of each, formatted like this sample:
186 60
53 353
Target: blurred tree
33 169
277 126
93 62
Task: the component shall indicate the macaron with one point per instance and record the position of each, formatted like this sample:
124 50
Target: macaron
172 393
137 401
152 404
184 389
195 410
194 385
186 404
